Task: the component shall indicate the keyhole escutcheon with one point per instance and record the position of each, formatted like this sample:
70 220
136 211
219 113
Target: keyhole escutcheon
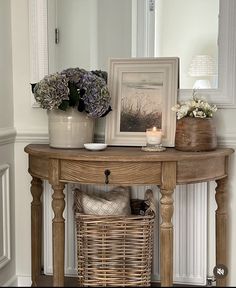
107 172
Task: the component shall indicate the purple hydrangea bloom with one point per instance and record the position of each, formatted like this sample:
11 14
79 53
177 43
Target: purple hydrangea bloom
96 97
51 91
91 87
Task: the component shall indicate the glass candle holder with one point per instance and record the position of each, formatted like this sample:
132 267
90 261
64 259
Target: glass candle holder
153 137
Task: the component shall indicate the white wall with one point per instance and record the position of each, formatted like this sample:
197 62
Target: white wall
7 211
6 110
30 122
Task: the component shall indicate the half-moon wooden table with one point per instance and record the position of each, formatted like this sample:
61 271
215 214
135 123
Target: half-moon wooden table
127 166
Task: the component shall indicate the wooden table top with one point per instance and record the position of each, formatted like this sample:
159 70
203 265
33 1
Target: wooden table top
122 153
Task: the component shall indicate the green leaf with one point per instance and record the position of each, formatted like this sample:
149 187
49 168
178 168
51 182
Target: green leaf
74 94
64 105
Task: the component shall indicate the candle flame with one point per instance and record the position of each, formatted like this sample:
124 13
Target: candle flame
154 128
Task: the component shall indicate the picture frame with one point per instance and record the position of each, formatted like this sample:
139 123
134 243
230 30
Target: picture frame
143 91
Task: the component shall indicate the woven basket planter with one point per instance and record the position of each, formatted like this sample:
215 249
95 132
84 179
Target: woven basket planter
114 251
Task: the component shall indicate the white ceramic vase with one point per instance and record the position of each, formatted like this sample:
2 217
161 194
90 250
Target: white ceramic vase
70 128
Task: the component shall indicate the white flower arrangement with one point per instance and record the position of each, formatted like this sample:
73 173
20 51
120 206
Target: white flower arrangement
198 107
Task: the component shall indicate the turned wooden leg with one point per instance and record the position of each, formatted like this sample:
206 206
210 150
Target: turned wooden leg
58 234
221 228
58 223
36 229
166 228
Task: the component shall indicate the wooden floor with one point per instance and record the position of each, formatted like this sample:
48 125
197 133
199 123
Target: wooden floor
46 281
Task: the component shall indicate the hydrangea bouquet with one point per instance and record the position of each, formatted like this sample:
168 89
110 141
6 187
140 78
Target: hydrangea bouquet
198 107
75 87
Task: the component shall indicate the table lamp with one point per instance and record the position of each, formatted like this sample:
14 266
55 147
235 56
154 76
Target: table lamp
203 67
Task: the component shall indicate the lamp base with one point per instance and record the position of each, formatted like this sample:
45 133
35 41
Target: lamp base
202 84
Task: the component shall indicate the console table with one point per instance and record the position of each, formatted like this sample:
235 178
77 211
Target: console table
123 166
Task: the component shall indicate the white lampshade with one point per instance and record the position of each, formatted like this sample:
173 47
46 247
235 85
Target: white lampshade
202 66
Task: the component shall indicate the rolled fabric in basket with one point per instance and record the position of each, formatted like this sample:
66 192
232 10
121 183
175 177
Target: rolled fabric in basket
114 202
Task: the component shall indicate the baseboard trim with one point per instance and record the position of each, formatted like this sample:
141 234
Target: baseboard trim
24 281
18 281
13 282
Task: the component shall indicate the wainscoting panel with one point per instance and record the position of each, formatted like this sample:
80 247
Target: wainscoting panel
4 216
190 231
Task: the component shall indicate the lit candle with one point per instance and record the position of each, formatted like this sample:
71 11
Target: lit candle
153 136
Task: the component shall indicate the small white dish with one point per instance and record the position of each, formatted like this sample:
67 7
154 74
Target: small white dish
95 146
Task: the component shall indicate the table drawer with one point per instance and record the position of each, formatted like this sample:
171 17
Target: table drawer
120 172
201 170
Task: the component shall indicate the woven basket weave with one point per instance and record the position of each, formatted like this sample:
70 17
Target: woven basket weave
114 250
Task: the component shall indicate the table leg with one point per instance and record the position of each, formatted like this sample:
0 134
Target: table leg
58 234
221 228
36 229
166 228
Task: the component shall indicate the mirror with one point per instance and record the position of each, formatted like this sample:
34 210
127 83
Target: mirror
142 44
89 32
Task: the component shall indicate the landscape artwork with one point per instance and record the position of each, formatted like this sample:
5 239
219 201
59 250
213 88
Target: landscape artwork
143 91
141 101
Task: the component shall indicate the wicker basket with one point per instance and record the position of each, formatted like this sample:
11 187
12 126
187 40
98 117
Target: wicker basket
115 250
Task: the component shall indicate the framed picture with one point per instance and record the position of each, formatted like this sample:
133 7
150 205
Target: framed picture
143 90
